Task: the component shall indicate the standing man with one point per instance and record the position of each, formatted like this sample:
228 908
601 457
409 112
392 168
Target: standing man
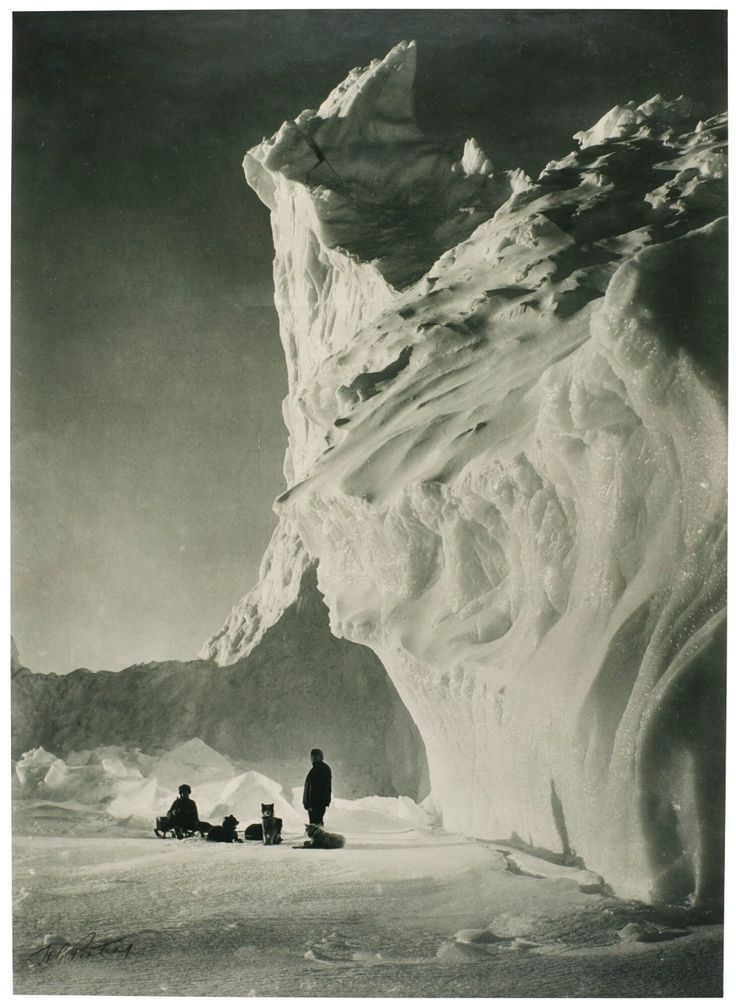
317 788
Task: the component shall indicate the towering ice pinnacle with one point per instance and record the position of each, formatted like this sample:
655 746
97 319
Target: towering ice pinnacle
507 453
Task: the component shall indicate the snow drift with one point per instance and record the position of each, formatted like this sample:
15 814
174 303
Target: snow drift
507 452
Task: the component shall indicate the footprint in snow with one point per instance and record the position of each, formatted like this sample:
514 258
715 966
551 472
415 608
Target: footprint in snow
333 951
352 958
479 943
477 937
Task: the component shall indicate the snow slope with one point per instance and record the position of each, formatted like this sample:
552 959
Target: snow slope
507 451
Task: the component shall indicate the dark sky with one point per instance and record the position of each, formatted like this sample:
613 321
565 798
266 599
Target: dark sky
147 372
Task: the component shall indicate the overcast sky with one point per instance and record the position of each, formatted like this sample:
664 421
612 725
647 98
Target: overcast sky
147 371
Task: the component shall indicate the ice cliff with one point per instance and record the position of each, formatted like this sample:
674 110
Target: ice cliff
506 418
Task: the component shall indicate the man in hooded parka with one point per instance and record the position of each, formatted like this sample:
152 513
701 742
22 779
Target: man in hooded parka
183 814
317 788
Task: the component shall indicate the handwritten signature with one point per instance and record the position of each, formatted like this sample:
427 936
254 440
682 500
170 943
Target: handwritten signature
87 947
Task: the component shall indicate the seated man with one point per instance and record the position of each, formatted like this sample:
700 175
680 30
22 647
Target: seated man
183 815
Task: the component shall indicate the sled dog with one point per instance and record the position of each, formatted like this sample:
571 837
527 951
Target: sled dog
319 839
224 833
271 826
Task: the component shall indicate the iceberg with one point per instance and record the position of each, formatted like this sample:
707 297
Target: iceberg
507 426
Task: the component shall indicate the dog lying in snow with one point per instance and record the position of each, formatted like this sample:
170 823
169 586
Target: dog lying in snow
224 833
319 839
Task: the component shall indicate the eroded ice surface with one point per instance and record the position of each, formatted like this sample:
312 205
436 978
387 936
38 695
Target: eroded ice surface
507 452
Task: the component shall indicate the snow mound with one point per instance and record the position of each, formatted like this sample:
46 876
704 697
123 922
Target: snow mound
507 451
375 814
44 776
89 780
401 809
32 767
245 794
140 799
192 762
345 817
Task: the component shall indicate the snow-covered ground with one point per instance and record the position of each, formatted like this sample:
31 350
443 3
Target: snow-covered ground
409 913
103 907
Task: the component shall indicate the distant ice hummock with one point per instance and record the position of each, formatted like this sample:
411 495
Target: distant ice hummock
507 452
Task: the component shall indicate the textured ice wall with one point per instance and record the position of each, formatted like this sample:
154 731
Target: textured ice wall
507 451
